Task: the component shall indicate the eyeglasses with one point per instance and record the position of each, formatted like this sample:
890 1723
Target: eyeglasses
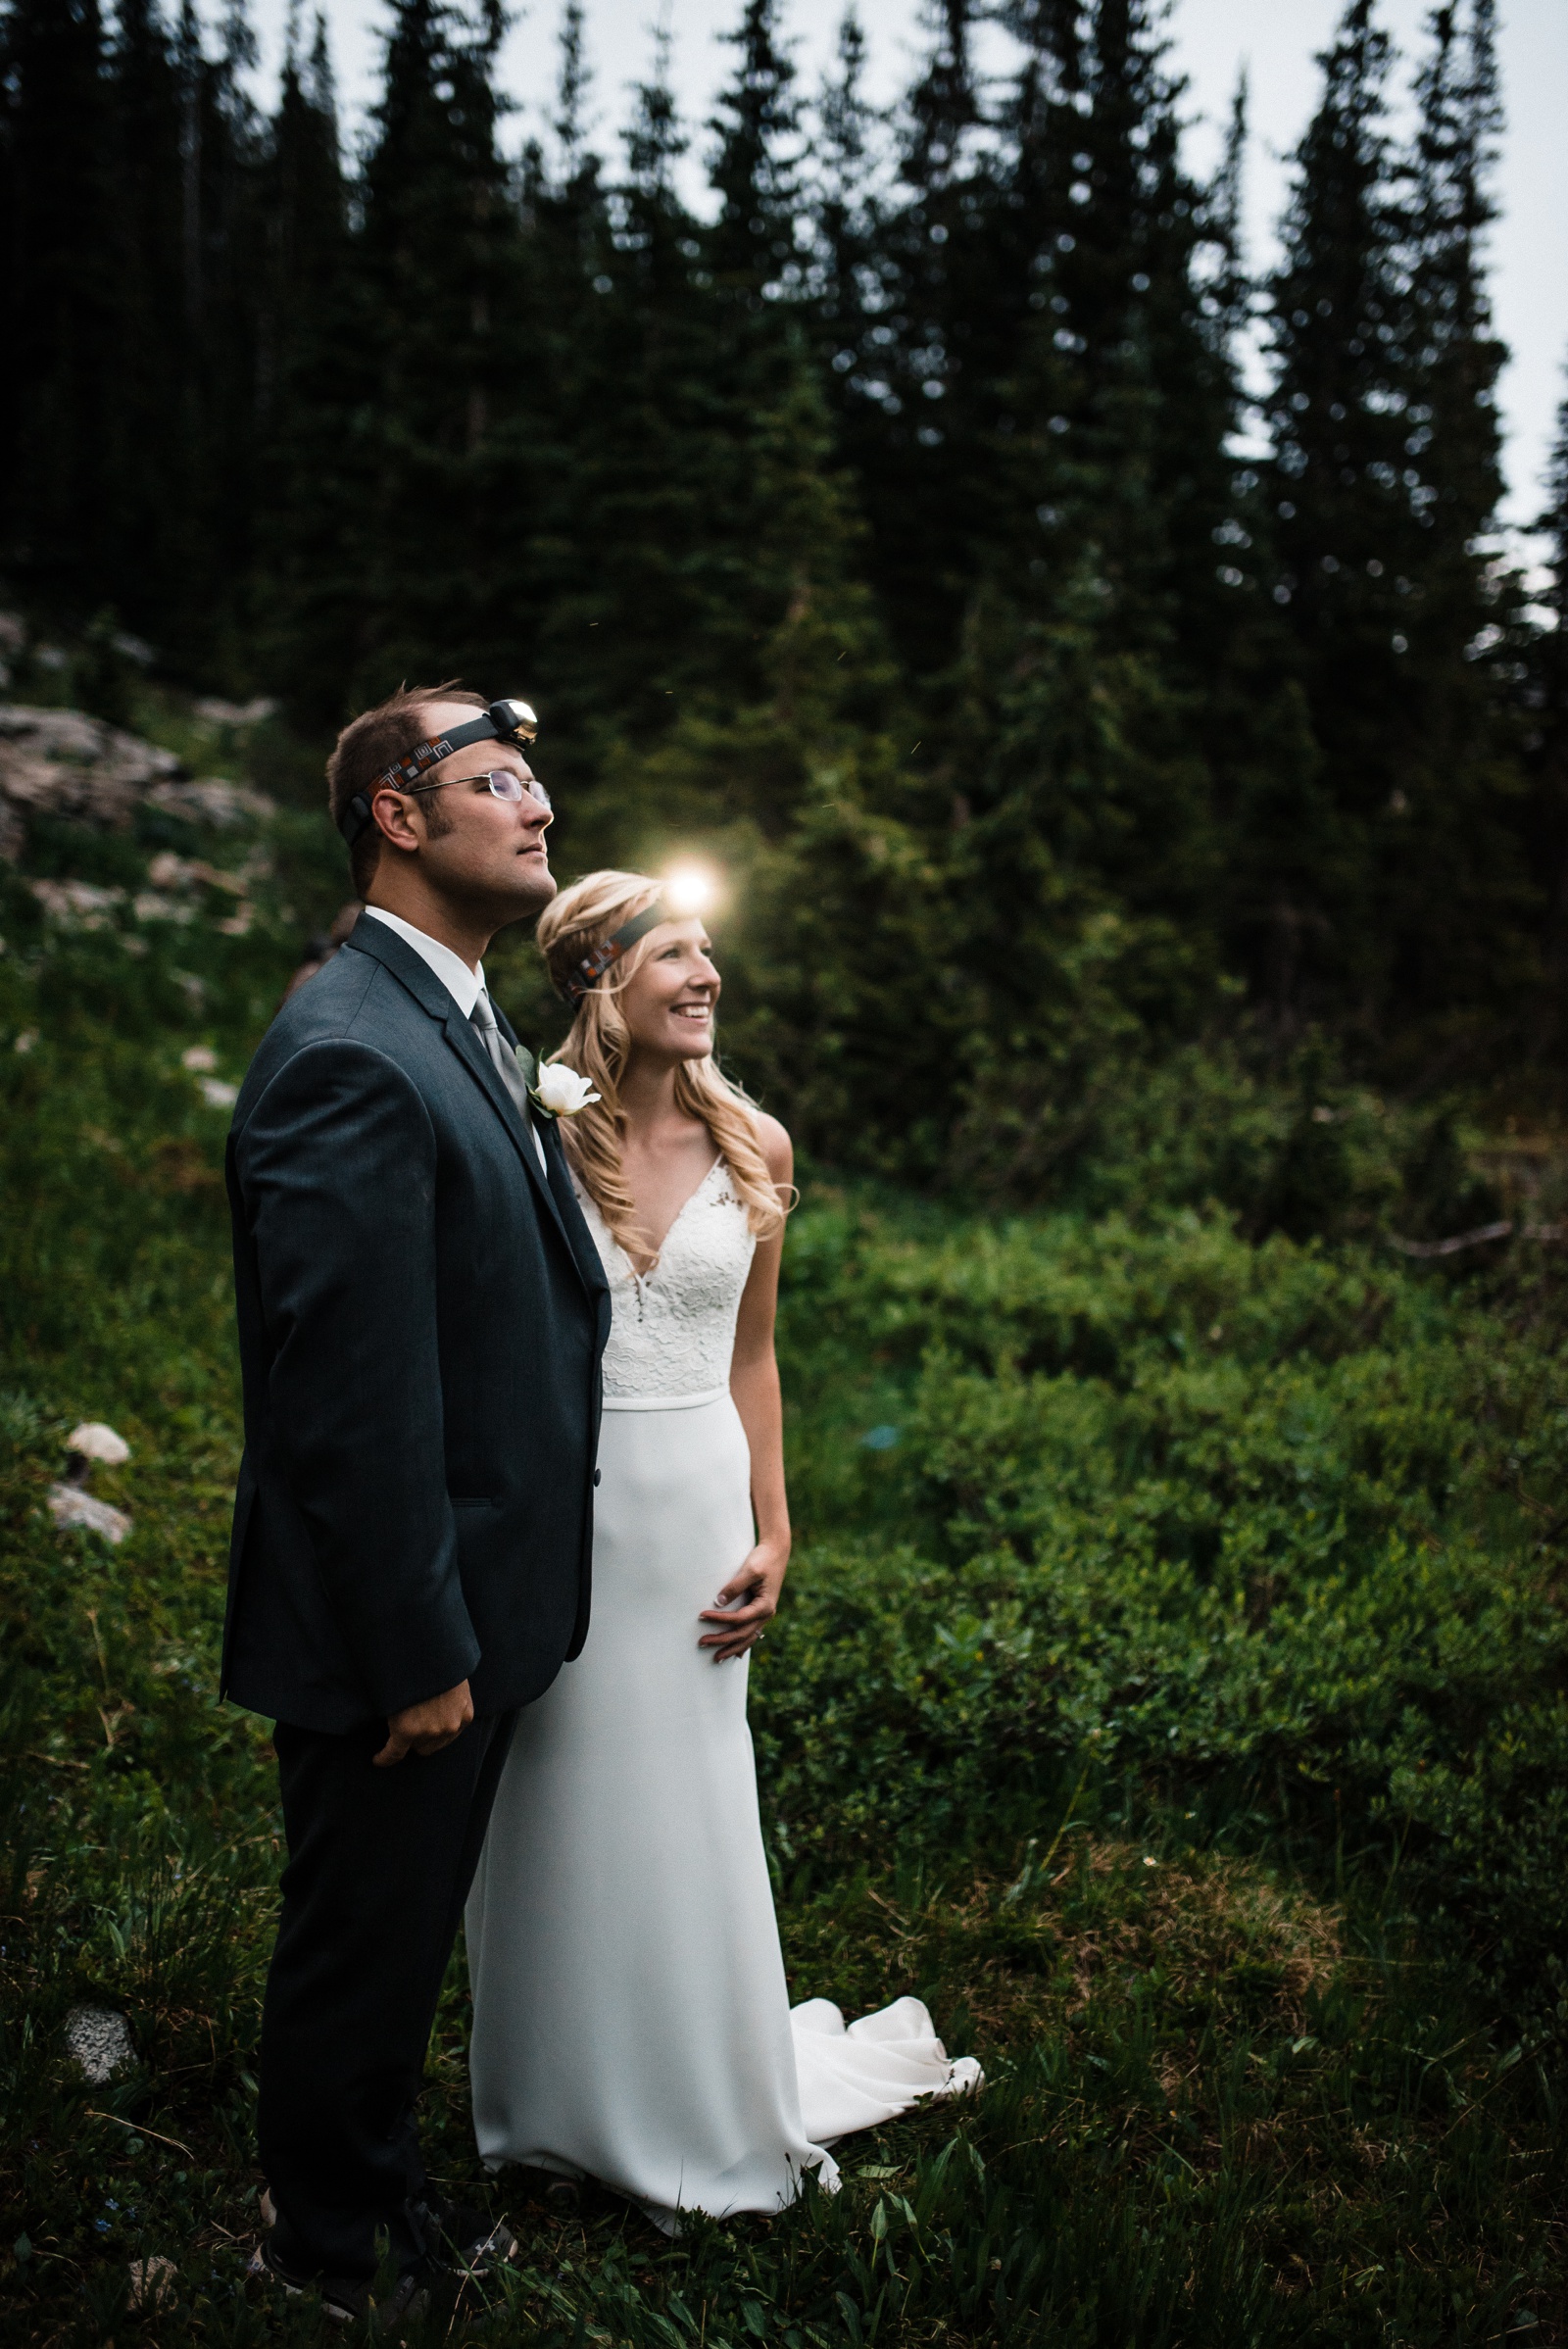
505 784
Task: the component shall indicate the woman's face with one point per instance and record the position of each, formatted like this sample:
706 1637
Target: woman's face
670 1000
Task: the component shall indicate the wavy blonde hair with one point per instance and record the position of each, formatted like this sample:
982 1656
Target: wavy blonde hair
599 1046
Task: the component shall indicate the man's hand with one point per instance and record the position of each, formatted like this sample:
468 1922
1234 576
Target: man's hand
427 1726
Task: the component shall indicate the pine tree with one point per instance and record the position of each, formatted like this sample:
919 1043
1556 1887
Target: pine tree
307 375
576 79
1098 623
784 761
606 477
755 168
1457 845
58 529
845 213
439 346
227 245
150 457
1378 320
1549 745
1345 532
917 404
1123 361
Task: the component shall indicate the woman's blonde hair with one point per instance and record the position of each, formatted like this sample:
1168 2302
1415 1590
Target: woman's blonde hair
599 1046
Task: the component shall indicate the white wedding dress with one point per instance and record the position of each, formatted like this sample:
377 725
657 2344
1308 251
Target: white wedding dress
630 2016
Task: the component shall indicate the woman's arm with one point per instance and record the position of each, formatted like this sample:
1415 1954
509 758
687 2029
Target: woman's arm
753 1385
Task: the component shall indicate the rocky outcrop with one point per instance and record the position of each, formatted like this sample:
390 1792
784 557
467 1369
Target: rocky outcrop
63 763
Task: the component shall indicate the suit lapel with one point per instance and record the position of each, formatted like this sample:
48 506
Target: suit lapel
465 1042
588 1258
548 1130
373 937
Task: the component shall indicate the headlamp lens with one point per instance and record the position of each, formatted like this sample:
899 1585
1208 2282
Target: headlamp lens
513 717
688 890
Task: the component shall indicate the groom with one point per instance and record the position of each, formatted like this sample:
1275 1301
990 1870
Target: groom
421 1312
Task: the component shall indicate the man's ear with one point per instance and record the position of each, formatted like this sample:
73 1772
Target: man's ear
394 821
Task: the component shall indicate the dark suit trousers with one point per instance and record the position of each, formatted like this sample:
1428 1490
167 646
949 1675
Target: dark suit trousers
380 1866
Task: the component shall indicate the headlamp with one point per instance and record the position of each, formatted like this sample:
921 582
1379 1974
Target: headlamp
502 722
683 894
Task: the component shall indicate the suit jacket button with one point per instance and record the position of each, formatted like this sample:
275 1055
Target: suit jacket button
597 1472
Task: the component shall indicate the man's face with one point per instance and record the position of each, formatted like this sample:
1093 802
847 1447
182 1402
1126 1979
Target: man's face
486 856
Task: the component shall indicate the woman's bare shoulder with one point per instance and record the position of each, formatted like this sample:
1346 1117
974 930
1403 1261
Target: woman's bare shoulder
777 1147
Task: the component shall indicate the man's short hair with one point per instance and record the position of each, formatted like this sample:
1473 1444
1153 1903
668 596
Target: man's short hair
368 745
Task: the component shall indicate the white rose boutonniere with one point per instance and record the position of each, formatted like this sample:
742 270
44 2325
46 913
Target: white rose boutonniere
559 1090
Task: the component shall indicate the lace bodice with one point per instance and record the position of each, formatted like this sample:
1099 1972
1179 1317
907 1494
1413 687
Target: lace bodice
672 1330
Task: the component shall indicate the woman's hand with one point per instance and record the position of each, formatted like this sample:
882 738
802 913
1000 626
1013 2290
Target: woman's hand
748 1602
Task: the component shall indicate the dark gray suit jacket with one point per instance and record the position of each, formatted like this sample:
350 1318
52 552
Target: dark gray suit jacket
421 1315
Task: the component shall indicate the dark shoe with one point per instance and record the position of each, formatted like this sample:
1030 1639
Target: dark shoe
344 2298
466 2240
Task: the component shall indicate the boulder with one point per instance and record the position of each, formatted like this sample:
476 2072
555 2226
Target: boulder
209 800
95 1440
71 1506
63 763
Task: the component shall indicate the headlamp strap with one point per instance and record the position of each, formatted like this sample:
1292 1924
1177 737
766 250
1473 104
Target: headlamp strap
591 970
503 721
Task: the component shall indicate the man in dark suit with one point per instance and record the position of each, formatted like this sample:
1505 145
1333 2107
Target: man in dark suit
421 1311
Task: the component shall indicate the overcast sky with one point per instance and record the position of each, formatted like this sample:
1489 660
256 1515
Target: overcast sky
1276 40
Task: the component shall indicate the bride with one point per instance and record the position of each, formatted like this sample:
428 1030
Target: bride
630 2016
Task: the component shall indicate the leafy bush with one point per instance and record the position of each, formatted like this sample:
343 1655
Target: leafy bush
1273 1527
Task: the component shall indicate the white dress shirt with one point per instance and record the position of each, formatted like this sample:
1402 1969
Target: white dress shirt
461 983
465 986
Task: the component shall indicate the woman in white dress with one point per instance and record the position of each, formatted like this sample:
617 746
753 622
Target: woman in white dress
631 2021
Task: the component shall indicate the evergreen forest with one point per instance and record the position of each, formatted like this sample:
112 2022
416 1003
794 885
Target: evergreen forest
884 532
1136 765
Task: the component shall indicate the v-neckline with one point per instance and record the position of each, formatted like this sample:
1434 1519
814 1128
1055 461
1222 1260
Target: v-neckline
659 1252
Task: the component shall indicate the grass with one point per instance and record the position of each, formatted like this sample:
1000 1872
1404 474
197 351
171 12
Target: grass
1171 1695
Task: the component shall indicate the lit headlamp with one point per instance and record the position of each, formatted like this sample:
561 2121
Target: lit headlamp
685 892
503 721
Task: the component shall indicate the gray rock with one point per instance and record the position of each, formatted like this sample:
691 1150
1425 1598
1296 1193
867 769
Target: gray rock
209 800
95 1440
79 904
63 763
69 1507
238 714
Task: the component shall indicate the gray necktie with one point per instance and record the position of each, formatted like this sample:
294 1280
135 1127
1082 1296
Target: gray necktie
500 1053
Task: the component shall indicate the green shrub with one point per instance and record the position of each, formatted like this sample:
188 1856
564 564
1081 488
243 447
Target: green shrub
1270 1526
